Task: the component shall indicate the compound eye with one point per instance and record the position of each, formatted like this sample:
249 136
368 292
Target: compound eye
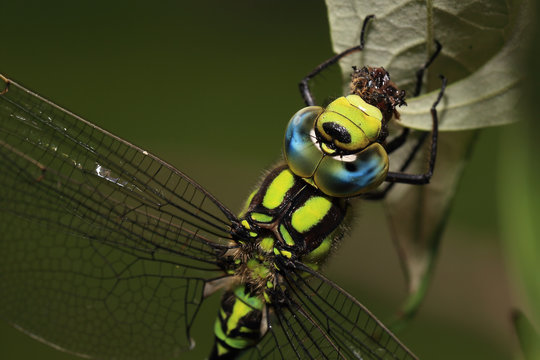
352 175
301 150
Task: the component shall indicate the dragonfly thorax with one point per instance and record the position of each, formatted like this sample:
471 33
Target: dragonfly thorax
286 217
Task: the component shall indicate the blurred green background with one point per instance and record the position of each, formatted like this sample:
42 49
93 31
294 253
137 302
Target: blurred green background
209 87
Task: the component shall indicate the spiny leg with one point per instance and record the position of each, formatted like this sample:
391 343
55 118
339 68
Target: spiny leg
304 84
416 179
399 140
423 68
419 179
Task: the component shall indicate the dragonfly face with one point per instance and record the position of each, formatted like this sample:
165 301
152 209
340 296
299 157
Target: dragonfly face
109 252
336 149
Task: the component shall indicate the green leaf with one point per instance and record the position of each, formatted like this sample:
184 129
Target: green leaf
529 340
519 207
417 214
481 41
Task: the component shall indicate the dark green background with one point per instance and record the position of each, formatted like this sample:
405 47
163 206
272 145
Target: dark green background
209 87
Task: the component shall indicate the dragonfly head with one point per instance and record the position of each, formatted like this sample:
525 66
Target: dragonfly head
338 149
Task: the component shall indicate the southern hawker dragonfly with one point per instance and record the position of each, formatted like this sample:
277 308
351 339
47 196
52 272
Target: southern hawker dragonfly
109 252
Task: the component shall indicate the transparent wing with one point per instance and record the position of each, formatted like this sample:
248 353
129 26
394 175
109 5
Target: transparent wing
104 248
319 320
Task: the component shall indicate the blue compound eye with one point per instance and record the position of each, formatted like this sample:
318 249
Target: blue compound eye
301 150
352 175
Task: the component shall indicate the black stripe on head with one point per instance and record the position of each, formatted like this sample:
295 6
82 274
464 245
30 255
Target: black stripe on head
337 132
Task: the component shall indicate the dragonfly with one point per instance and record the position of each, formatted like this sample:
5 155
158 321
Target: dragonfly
109 252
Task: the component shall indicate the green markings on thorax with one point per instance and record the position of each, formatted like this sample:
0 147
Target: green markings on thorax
260 217
291 218
247 226
285 253
286 235
311 213
276 191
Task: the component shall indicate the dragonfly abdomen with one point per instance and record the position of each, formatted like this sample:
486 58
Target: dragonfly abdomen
238 325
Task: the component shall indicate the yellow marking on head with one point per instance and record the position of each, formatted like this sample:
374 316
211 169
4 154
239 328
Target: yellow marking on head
366 108
372 122
327 150
362 121
358 140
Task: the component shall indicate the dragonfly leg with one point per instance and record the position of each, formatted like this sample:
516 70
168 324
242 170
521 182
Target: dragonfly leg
420 72
415 179
304 84
399 140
